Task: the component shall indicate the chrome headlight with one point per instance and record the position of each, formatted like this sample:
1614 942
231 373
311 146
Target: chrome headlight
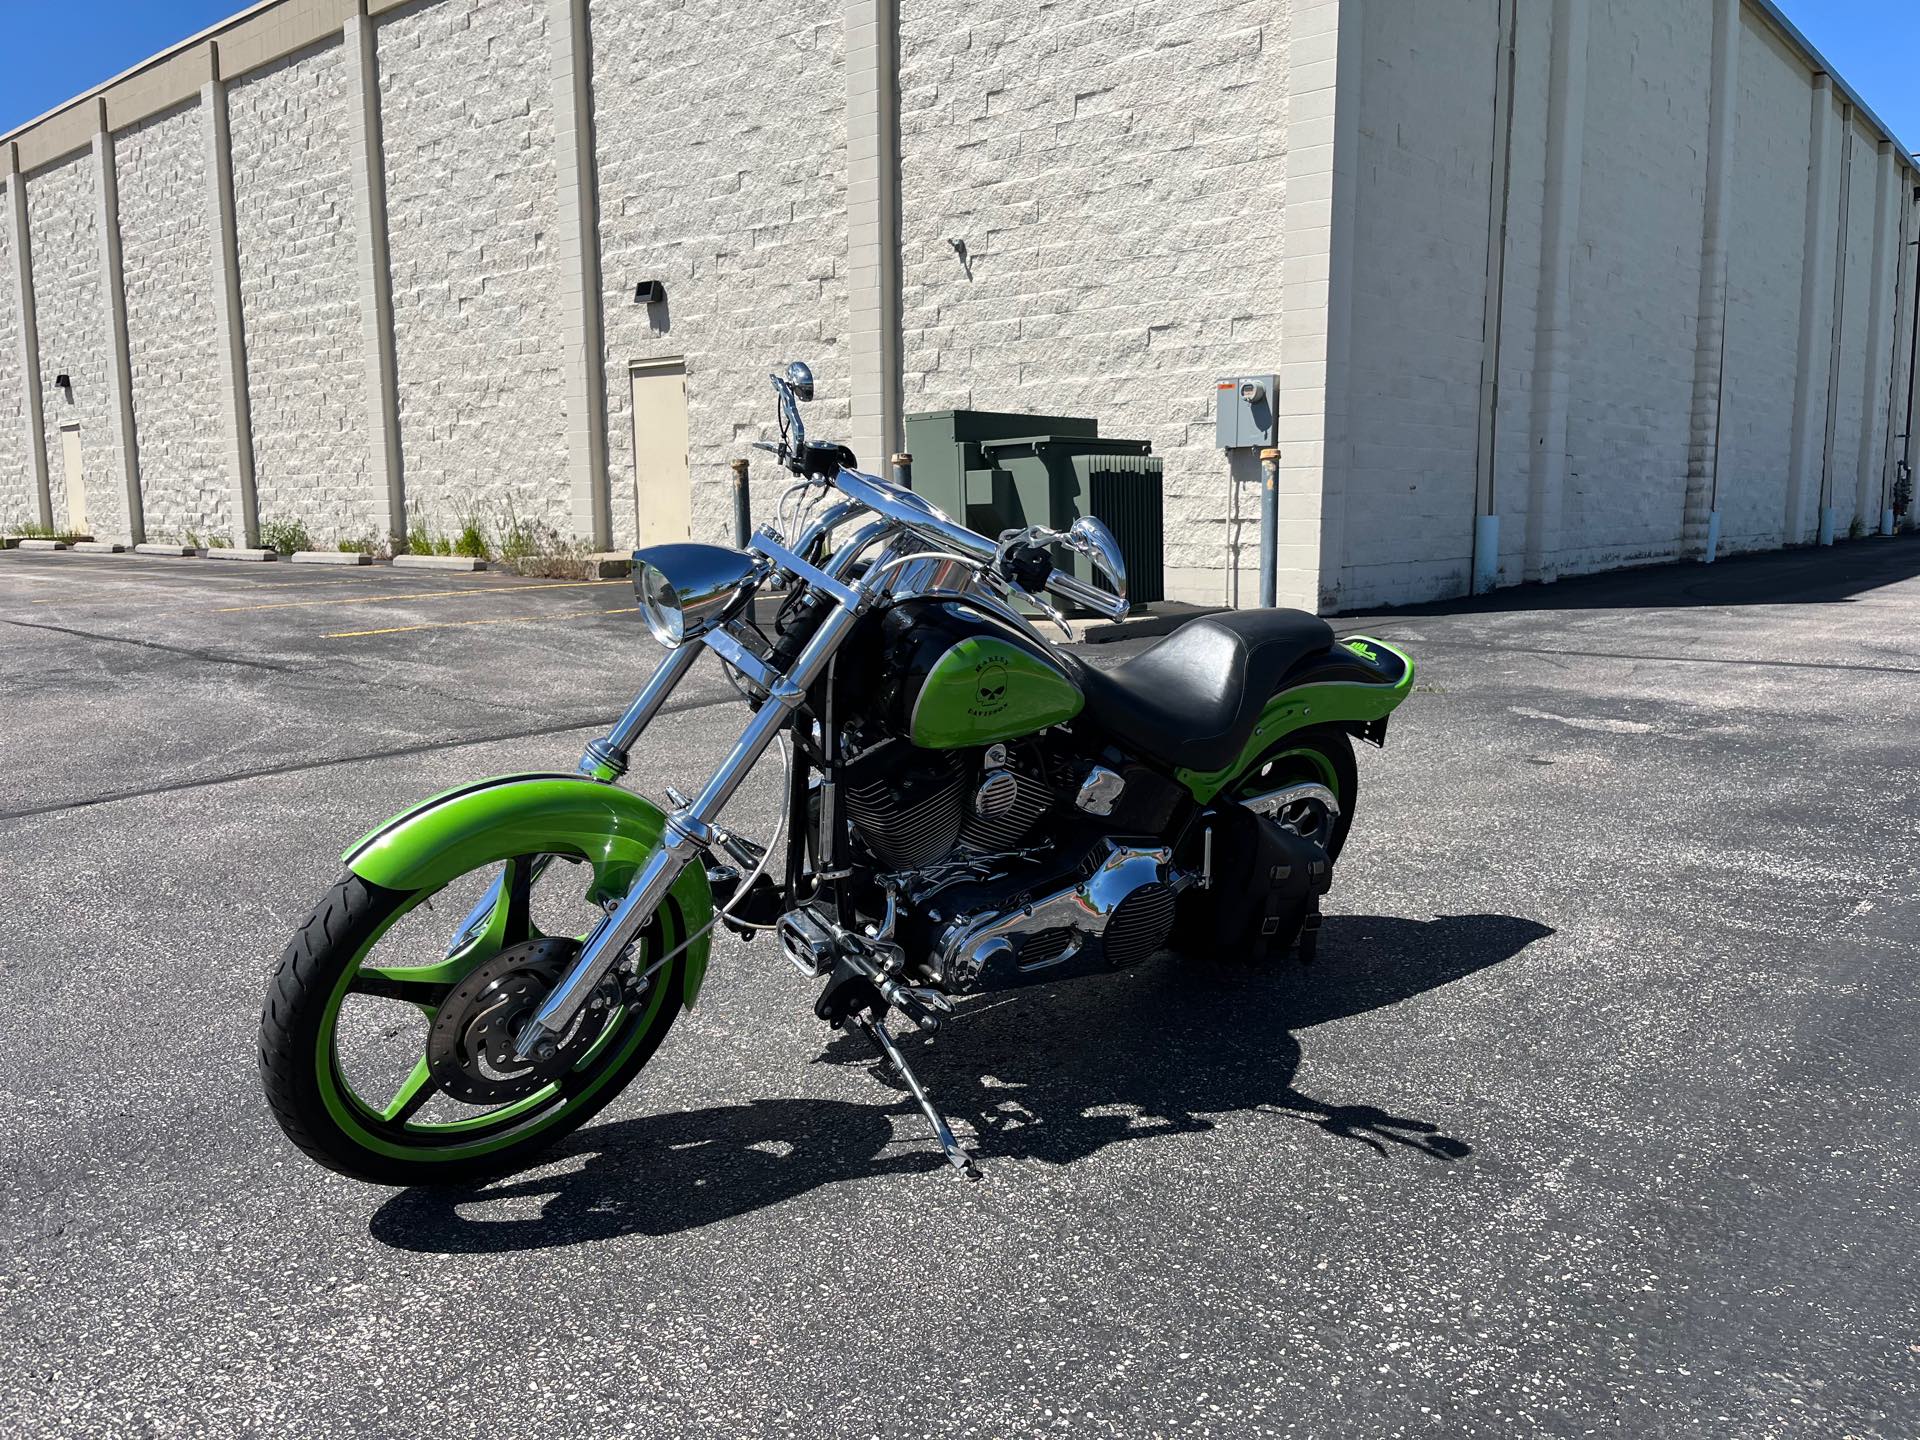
687 590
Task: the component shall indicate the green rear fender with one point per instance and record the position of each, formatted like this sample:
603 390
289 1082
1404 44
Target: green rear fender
474 826
1331 703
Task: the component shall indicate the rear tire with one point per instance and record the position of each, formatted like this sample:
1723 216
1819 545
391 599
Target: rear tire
320 1112
1321 754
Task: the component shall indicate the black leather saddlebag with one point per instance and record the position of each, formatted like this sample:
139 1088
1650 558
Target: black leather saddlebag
1267 881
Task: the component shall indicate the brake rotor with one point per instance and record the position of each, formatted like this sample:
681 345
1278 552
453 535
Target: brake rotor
471 1047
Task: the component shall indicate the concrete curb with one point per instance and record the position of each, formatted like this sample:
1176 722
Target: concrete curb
610 565
331 557
240 552
437 562
43 545
173 550
99 547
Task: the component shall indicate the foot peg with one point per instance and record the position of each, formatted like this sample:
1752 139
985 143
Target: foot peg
957 1156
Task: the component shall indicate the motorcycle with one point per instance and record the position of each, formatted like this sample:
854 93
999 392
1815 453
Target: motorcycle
967 808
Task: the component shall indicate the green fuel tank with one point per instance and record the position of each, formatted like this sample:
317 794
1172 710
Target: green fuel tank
957 678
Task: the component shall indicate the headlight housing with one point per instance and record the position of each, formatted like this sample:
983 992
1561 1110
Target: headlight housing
687 590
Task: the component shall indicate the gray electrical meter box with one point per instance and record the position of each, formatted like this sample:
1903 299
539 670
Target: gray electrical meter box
1243 412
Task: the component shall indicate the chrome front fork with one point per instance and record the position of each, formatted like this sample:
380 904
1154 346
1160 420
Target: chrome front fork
689 829
606 758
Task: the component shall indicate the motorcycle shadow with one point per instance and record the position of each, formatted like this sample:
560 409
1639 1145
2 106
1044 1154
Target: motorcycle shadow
1052 1074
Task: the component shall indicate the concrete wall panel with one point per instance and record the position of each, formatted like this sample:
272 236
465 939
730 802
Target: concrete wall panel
1117 173
1429 155
167 245
1852 412
1636 281
75 335
1765 257
466 109
1520 309
294 213
720 179
17 501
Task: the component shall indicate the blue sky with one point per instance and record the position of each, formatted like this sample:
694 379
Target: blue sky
71 45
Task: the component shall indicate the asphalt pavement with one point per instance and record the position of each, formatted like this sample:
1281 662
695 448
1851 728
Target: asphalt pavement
1596 1116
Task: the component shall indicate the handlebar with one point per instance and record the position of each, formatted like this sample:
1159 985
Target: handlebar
908 509
904 507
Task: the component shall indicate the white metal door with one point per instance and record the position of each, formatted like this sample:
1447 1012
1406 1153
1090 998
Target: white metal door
76 483
662 481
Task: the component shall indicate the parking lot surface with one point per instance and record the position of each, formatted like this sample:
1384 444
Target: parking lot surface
1596 1115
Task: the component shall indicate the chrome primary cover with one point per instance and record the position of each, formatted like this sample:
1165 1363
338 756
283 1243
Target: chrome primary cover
973 948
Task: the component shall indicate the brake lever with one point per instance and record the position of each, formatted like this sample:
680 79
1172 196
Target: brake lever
1005 589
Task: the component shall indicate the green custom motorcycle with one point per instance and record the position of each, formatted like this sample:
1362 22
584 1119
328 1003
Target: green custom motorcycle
969 808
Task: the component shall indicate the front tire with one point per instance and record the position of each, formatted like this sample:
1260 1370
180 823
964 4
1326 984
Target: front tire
390 1141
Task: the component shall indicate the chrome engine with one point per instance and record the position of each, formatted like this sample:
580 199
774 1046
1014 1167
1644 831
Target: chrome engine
985 902
1124 906
913 808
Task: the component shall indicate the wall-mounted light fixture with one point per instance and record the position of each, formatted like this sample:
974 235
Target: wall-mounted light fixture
649 292
64 381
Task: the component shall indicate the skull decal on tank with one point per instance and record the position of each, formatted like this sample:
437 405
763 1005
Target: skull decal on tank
990 688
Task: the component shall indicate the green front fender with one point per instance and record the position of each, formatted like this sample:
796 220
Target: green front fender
473 826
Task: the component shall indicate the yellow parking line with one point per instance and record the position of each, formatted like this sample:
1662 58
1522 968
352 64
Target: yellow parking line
110 595
496 620
403 597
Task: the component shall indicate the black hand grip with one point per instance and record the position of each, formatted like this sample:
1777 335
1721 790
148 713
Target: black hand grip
1027 566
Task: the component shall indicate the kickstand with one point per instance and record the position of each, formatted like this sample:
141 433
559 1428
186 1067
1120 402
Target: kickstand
956 1156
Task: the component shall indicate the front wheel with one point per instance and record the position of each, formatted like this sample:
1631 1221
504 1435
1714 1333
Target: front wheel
389 1060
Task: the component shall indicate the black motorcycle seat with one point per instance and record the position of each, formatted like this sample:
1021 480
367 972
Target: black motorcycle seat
1193 698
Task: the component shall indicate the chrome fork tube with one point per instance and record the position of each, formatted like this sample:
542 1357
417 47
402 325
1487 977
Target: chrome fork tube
606 758
689 830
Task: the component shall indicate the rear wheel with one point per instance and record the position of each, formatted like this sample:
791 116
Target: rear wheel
1320 755
389 1060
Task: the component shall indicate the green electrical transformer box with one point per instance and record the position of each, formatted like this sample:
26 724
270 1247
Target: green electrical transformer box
994 471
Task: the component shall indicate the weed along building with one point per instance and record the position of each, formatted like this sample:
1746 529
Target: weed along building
1530 287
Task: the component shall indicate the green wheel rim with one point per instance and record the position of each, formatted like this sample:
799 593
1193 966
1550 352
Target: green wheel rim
389 1129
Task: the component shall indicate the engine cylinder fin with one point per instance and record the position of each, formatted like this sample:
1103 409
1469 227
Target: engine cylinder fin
1019 803
912 822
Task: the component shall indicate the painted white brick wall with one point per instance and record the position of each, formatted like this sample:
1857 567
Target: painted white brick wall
294 219
167 243
466 103
1636 280
1427 153
1120 175
1851 411
719 177
62 206
1898 443
1520 318
1117 171
1766 253
17 502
